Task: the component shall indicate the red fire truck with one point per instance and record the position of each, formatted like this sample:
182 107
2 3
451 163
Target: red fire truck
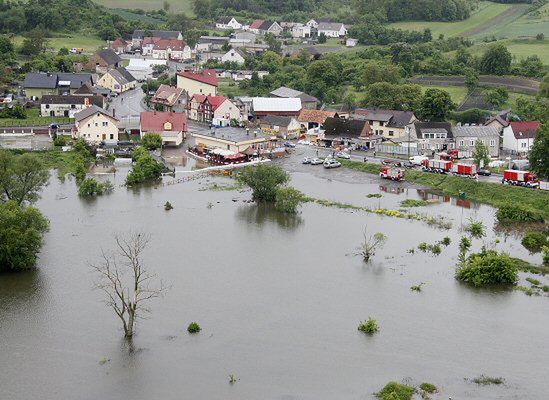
437 166
467 170
395 174
520 178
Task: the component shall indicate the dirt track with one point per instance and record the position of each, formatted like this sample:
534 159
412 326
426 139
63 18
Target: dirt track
519 85
511 13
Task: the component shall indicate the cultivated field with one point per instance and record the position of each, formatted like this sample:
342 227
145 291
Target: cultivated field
175 5
89 43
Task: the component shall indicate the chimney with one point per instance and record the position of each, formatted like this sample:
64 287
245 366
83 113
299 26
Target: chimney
113 113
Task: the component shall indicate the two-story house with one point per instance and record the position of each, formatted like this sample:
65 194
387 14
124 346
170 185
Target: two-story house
198 82
103 61
171 126
518 137
466 137
390 124
95 125
54 105
228 23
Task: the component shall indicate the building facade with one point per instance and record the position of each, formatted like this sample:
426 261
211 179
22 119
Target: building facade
95 125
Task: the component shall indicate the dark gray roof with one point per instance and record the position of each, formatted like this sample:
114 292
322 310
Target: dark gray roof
71 99
87 89
213 39
475 131
224 20
109 56
122 75
427 127
276 120
346 128
140 34
266 25
79 116
51 81
394 118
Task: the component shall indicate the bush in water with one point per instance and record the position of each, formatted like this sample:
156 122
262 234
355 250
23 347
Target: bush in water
396 391
370 327
535 241
194 327
264 180
488 268
288 200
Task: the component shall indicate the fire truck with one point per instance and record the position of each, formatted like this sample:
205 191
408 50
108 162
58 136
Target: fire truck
392 173
437 166
520 178
467 170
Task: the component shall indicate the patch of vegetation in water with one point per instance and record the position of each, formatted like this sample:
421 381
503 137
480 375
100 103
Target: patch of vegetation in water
485 380
428 387
215 187
414 203
194 327
396 391
369 327
374 195
488 268
535 241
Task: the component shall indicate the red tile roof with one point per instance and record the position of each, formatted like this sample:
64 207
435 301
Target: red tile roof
174 44
316 116
199 98
256 24
118 43
205 76
216 101
525 129
154 121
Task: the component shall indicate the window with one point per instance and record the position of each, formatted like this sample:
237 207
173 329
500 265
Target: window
391 133
492 142
112 136
472 142
461 143
89 125
47 106
523 145
73 106
105 123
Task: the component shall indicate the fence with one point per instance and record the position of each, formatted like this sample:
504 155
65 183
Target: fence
397 150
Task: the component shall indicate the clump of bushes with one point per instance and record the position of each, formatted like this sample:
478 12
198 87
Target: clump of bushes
446 241
374 195
369 327
168 206
475 228
264 180
288 200
464 246
417 288
145 169
487 380
488 268
436 248
396 391
151 141
92 187
535 241
194 327
515 213
61 140
413 203
428 387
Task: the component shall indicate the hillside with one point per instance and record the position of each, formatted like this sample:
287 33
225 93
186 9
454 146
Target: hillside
175 5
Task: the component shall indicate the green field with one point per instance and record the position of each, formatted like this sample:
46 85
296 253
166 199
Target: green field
89 43
519 48
175 5
486 10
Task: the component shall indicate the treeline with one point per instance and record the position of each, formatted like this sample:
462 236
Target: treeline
409 10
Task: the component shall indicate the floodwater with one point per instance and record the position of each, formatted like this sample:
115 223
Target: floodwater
278 297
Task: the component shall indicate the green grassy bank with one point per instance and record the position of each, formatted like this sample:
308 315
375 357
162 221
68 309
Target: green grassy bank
494 194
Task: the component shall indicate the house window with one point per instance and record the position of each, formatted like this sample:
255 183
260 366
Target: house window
96 124
112 136
89 125
523 145
391 133
105 123
472 142
461 143
492 142
73 106
47 106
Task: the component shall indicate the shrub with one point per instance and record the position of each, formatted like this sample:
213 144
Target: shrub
446 241
61 140
533 281
194 327
428 387
423 246
264 180
369 327
151 141
535 241
370 244
488 268
91 187
417 288
413 203
487 380
475 228
396 391
288 200
545 250
168 206
145 169
464 246
514 213
138 152
435 249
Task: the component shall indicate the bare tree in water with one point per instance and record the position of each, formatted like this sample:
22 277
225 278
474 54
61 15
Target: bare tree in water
125 280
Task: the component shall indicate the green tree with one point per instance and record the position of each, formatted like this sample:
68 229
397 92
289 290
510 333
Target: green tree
436 105
92 187
151 141
6 46
22 177
63 51
496 97
202 8
35 42
21 231
539 154
463 57
481 155
471 80
288 200
145 169
544 87
496 60
264 180
322 38
531 66
532 109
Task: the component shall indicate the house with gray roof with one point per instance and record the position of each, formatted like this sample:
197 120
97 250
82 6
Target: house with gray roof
104 60
37 84
118 80
54 105
332 29
389 123
307 101
432 137
466 136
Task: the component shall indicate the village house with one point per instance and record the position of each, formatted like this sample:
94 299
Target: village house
331 29
301 31
37 84
313 120
228 23
432 137
263 27
169 98
120 46
88 90
206 56
348 132
103 61
307 101
171 126
166 49
263 106
466 136
518 137
282 127
54 105
216 110
142 69
313 23
241 75
118 80
95 125
234 55
500 120
236 140
139 35
389 123
211 43
198 82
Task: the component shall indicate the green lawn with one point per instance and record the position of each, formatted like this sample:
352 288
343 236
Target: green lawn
89 43
34 118
175 5
485 11
520 48
229 88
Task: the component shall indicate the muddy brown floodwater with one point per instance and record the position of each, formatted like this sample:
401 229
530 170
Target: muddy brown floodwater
278 297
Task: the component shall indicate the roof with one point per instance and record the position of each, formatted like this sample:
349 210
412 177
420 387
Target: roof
330 26
348 128
235 135
276 120
71 99
216 101
121 75
433 127
224 20
266 25
274 104
474 131
240 52
198 97
525 129
154 121
174 44
394 118
167 95
140 34
285 92
502 118
317 116
118 42
51 80
142 64
109 56
87 89
206 76
88 112
256 24
213 39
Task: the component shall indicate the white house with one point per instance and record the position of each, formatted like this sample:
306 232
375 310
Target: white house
234 55
518 137
142 69
228 23
332 29
54 105
301 31
95 125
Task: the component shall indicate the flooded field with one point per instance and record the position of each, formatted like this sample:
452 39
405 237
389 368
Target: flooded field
278 297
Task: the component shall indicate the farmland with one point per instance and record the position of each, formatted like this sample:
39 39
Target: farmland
175 5
520 48
89 43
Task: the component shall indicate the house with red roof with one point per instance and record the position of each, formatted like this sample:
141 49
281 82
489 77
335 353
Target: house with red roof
518 137
171 126
215 110
165 49
120 46
198 82
263 27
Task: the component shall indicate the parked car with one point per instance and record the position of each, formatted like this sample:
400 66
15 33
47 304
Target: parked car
409 164
289 144
305 142
316 161
484 172
344 155
331 163
306 160
387 162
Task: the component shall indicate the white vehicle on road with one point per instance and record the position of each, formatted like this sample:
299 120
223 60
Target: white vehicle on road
331 163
